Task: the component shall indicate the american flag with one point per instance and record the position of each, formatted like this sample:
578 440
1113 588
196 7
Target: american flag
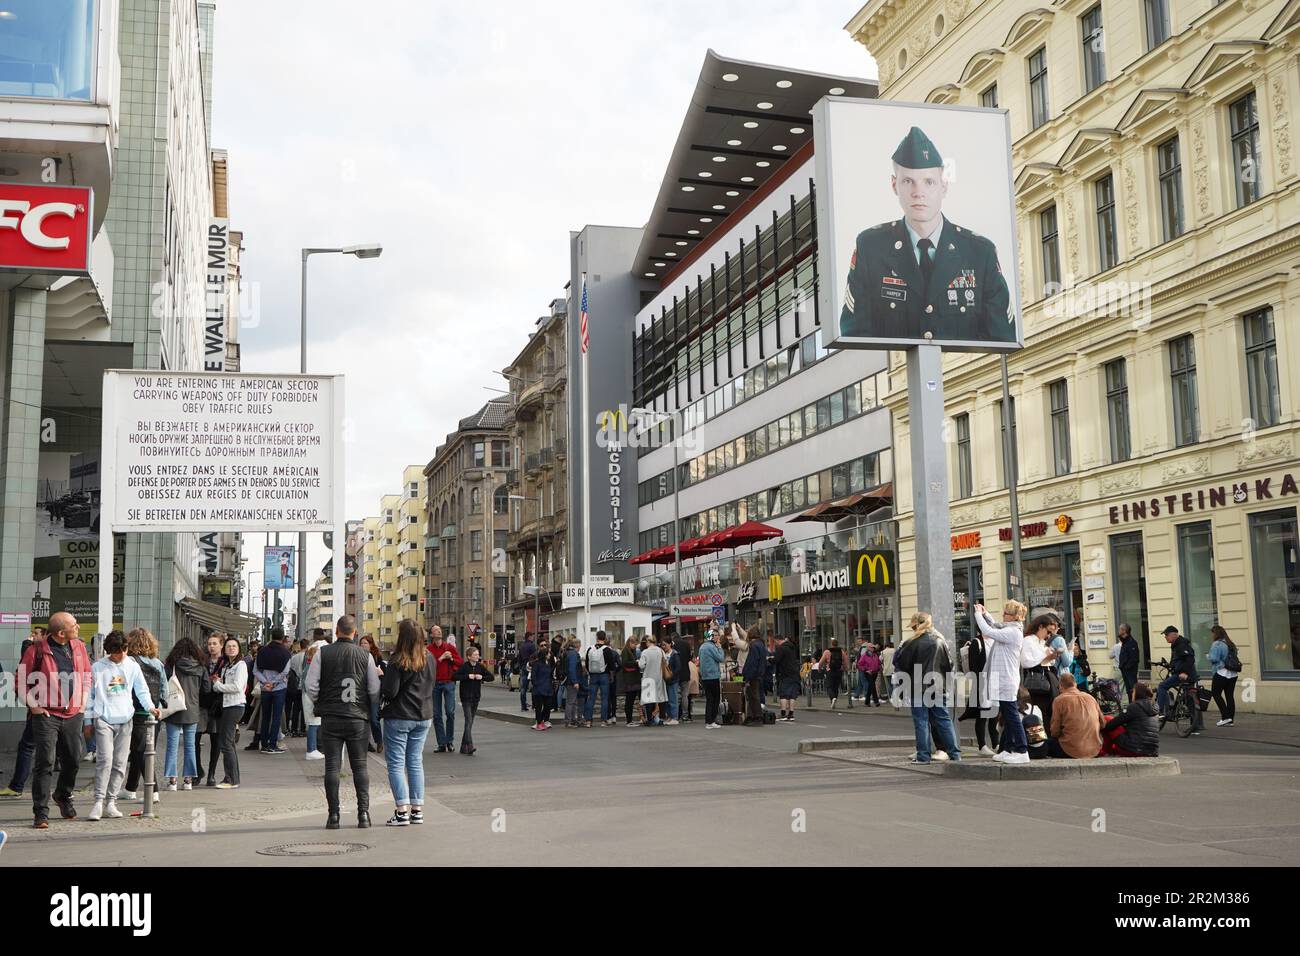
586 339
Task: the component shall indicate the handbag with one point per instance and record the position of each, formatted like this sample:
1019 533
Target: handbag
1036 680
175 698
667 671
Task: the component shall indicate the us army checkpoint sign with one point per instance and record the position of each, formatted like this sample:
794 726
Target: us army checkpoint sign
915 226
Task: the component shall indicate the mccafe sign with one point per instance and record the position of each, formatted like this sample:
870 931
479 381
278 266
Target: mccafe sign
45 228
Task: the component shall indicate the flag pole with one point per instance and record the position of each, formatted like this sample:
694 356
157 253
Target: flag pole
586 474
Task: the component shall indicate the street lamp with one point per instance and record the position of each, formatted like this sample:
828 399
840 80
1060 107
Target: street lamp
537 562
370 250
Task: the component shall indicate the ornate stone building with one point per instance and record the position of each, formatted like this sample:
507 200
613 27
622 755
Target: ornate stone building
1157 398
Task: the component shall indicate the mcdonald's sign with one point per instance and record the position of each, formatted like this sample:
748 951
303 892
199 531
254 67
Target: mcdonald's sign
873 570
774 587
612 421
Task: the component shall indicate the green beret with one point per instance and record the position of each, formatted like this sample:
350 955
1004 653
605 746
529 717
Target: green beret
917 152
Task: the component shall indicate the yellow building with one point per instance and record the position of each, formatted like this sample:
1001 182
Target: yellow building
390 566
1156 401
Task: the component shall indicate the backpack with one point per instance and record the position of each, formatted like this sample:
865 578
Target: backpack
976 657
1232 662
769 717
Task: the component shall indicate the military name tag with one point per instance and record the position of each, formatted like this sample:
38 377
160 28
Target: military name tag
898 294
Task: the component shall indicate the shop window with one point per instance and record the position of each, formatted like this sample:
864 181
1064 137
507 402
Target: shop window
1200 605
1275 545
1130 591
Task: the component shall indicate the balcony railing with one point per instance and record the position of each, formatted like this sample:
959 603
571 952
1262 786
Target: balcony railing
548 457
532 462
561 447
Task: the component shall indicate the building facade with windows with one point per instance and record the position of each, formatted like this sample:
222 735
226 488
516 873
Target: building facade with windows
728 351
466 526
1158 205
391 564
534 466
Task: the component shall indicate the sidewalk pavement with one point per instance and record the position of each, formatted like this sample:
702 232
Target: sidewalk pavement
1279 730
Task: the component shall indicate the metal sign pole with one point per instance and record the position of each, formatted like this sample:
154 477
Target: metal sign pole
932 527
1011 467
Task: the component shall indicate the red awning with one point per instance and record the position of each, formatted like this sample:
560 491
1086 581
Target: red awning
747 533
641 558
694 547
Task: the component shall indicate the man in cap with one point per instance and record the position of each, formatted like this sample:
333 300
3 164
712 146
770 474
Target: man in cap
924 273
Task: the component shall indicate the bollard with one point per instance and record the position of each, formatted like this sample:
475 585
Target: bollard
151 724
810 689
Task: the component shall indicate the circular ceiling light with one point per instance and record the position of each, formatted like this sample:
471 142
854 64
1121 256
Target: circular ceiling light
720 208
730 77
732 192
719 159
783 84
733 142
797 130
692 232
681 242
670 254
651 275
778 148
706 219
836 91
746 179
751 125
660 265
762 164
764 106
688 189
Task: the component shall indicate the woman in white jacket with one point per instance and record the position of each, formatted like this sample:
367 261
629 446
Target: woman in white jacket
231 682
1004 675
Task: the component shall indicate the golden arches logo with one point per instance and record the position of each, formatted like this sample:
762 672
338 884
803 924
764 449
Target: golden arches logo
609 420
774 587
873 562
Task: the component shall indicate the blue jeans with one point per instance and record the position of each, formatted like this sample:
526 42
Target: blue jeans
598 682
404 754
863 680
672 699
524 683
942 731
173 739
23 759
1162 691
272 711
444 703
1013 728
312 730
375 732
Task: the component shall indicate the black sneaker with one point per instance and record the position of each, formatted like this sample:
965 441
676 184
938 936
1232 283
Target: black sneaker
400 818
66 808
254 746
41 823
275 750
417 815
441 749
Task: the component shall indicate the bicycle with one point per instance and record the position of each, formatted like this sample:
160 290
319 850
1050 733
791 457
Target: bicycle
1185 708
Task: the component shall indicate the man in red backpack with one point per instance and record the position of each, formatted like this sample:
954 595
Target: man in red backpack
54 677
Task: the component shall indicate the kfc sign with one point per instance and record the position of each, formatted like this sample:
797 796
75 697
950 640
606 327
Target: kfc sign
45 228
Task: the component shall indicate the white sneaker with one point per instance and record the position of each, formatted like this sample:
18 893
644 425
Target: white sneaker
96 811
112 811
1224 723
939 755
670 723
1017 758
171 784
987 751
713 726
88 758
314 755
126 795
1001 756
187 785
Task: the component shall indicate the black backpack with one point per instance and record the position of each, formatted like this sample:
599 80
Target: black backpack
1232 662
976 657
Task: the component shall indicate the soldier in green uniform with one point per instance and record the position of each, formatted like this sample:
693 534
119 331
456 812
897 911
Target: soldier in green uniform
923 273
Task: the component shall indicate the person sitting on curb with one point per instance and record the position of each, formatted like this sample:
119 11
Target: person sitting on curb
1076 723
1136 732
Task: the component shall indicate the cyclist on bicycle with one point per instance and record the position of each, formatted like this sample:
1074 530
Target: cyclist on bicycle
1182 668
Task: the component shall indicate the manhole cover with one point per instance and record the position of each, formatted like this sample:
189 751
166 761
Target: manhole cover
313 849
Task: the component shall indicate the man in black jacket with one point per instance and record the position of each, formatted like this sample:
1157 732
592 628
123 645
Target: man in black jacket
341 682
682 646
1182 667
525 657
1128 659
922 666
755 666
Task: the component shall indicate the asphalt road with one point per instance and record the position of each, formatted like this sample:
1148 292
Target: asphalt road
687 795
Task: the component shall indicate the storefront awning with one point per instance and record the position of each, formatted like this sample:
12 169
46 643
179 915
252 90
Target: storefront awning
854 505
218 618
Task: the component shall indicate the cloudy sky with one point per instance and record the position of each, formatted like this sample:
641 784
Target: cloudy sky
468 139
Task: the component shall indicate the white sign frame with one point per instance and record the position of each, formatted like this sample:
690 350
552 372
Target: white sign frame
573 595
335 521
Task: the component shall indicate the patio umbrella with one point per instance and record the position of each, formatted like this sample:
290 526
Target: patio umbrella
747 533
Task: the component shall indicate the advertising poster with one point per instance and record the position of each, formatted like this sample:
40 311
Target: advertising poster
277 568
916 226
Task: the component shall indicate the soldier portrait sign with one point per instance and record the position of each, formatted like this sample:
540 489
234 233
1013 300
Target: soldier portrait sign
915 226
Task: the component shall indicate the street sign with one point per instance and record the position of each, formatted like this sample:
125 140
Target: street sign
600 579
15 618
719 612
688 610
717 599
574 595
